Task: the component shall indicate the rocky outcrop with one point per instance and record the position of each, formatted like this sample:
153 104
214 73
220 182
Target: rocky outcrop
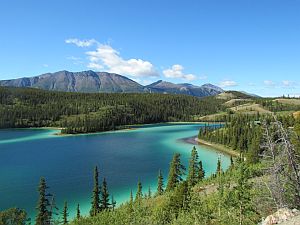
283 216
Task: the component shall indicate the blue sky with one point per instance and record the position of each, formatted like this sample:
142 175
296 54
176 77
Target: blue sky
250 45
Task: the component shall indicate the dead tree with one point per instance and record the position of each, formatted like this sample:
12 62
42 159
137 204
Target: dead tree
282 165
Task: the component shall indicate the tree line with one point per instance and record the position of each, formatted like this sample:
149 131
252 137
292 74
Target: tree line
243 133
91 112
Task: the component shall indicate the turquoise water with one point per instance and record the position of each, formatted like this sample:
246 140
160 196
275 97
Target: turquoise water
67 162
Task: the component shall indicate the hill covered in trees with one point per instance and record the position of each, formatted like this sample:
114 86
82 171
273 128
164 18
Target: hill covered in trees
91 112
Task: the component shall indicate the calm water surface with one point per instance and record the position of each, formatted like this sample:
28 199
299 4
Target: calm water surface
67 162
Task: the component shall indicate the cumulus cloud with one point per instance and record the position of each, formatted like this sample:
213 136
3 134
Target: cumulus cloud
81 43
228 83
107 57
177 72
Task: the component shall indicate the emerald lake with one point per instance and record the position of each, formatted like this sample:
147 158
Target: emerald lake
67 162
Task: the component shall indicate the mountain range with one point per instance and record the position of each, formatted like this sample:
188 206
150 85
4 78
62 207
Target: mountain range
103 82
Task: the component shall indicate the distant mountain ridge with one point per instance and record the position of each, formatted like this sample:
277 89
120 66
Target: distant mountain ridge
102 82
188 89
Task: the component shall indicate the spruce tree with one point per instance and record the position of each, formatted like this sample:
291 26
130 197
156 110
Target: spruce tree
231 162
113 203
219 167
193 168
43 214
254 149
175 173
65 213
201 172
96 192
105 196
139 193
149 192
180 198
242 194
78 212
131 202
160 183
53 209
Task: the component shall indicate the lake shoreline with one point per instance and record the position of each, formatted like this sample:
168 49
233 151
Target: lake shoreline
218 147
121 128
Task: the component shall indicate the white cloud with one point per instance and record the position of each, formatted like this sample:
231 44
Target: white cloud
95 66
227 83
288 83
269 83
45 65
177 72
107 57
81 43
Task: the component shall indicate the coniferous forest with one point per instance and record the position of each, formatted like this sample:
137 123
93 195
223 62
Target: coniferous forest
82 113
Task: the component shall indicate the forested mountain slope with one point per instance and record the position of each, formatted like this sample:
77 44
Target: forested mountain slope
90 112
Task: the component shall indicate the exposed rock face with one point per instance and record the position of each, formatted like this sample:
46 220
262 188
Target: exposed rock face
283 216
93 82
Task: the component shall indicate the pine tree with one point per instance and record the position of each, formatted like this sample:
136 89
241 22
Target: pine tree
65 213
175 173
193 168
139 193
96 192
242 194
231 162
149 192
131 202
113 203
43 214
219 167
180 198
53 210
160 183
78 212
105 196
201 172
254 148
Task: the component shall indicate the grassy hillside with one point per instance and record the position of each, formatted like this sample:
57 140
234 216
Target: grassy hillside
288 101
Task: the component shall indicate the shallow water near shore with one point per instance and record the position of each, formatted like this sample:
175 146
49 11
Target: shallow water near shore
67 162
